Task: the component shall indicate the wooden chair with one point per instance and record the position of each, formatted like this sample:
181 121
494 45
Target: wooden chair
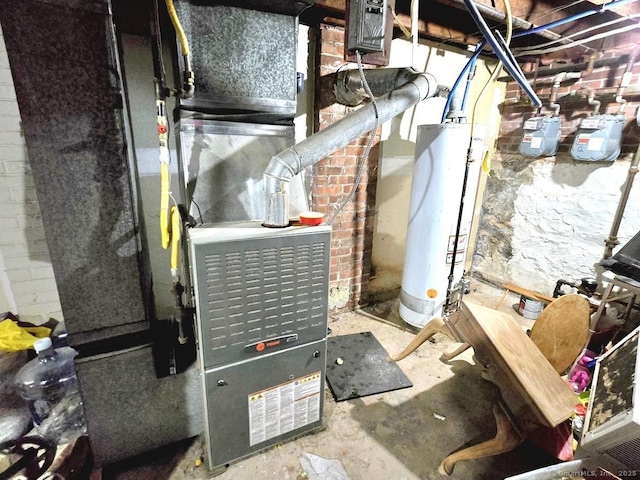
527 372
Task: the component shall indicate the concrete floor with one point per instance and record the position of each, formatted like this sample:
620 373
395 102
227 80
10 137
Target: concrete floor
402 434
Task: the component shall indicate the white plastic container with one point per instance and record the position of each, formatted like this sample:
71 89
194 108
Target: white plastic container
50 387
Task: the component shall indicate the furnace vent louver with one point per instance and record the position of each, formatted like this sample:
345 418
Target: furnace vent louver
256 290
260 294
261 301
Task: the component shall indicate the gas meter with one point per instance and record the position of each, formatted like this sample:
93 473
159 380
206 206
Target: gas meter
540 137
598 138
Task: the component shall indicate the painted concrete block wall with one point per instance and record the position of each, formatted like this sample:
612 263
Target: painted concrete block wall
546 219
27 283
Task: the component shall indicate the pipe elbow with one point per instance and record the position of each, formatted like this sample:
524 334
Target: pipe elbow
279 172
284 166
594 103
427 85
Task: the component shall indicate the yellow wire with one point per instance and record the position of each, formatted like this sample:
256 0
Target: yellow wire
486 161
184 44
404 29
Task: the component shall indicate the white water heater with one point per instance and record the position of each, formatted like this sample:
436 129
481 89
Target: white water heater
436 188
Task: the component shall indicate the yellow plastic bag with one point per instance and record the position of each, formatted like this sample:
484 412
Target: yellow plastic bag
13 337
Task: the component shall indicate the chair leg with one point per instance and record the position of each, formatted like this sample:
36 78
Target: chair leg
445 357
507 438
434 326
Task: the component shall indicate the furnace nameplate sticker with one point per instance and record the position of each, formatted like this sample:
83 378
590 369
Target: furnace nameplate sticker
283 408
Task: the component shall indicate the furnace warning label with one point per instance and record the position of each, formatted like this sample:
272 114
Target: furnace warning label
283 408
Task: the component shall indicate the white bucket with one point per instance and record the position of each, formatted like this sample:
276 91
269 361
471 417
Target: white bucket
529 308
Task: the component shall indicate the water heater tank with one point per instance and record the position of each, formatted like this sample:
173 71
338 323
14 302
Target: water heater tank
438 175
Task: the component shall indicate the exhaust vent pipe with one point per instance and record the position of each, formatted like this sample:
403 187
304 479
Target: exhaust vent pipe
293 160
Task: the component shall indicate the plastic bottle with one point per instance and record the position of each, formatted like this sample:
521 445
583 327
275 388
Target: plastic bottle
49 385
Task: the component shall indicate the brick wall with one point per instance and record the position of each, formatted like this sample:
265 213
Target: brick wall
573 105
333 179
27 283
545 219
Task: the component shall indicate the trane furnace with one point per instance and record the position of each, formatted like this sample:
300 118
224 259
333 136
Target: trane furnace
261 304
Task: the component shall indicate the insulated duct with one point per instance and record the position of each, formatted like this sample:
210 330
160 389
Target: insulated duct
306 153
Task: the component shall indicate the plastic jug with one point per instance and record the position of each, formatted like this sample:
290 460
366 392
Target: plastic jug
49 385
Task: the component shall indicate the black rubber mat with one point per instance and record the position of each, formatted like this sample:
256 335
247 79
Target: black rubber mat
357 366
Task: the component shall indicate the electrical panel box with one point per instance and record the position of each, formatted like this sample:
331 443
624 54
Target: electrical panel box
366 27
540 137
598 138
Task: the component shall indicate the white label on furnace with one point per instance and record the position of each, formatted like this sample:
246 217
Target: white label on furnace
283 408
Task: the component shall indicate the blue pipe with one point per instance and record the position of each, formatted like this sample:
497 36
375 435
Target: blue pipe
469 78
508 53
509 67
531 31
572 18
466 68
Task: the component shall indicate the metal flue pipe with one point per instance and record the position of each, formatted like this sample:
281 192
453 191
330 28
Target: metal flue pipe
286 164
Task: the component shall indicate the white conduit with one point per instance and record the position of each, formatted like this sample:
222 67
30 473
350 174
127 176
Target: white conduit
581 32
580 42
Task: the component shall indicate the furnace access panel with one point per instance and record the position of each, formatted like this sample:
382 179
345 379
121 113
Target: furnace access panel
261 299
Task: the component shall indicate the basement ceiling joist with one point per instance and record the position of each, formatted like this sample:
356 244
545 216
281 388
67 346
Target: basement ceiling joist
448 21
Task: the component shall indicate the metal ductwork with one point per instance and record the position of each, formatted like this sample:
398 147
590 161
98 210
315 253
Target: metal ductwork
306 153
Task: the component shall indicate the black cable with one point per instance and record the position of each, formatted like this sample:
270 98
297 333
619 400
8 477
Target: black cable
32 451
458 228
156 46
367 150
